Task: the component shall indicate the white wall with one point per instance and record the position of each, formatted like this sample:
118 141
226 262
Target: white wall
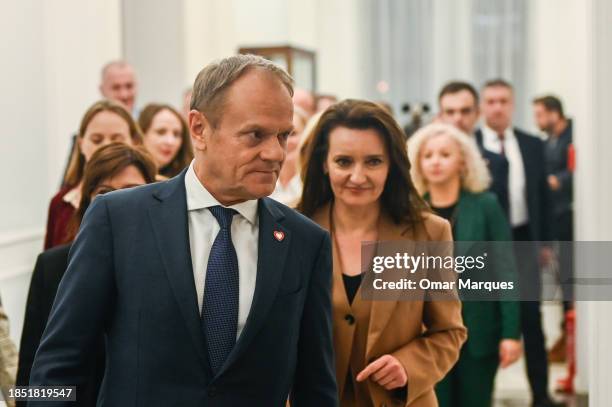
52 53
217 28
153 43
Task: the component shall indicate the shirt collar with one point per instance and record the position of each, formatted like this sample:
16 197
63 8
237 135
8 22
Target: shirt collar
491 135
198 197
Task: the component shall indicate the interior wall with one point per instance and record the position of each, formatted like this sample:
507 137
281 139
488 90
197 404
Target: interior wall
52 55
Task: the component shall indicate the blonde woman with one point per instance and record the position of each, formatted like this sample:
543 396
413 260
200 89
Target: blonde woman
450 173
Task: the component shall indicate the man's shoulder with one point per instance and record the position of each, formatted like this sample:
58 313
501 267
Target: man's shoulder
293 219
524 136
141 194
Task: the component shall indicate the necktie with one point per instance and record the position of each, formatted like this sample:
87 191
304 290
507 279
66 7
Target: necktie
502 137
221 291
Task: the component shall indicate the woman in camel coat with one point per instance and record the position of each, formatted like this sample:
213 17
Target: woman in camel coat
357 186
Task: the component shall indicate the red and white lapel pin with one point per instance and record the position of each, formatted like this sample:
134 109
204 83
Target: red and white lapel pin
279 235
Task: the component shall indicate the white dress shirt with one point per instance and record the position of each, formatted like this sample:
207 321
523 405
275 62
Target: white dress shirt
517 184
203 229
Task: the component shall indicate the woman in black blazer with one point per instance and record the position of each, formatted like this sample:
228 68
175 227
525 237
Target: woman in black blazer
115 166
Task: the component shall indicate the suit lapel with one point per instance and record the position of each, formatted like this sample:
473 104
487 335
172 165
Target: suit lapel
170 226
466 214
381 311
271 258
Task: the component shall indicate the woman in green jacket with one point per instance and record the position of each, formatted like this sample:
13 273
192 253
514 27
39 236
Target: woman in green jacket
451 174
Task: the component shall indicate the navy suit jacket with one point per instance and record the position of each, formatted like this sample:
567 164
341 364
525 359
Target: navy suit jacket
538 198
498 167
130 278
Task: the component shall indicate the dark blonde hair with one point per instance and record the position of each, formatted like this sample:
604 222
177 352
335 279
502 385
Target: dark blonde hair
399 198
74 173
214 80
185 153
106 163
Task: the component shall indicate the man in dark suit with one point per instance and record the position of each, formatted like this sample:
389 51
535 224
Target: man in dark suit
208 293
458 104
528 215
550 118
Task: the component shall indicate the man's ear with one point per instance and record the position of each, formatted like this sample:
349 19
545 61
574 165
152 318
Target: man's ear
200 129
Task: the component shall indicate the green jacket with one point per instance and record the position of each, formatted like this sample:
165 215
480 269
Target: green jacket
480 218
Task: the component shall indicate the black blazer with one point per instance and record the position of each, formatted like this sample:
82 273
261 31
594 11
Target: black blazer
556 149
498 167
48 272
538 197
130 276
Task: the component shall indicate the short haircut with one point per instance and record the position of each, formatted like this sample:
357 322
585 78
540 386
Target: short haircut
113 64
496 83
214 80
456 87
550 103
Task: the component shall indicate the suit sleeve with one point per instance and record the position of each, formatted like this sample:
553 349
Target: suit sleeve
504 266
428 358
33 324
315 381
545 199
82 306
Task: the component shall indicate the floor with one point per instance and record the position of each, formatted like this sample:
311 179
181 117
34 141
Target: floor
512 388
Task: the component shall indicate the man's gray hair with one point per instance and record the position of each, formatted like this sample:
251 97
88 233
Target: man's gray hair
213 81
114 64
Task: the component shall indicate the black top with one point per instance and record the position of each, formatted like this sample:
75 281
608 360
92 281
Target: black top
351 285
446 212
48 272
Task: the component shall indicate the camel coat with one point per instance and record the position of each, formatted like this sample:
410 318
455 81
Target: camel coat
424 336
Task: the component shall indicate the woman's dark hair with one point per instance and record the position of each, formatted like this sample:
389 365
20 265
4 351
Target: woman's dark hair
399 198
106 163
185 153
74 173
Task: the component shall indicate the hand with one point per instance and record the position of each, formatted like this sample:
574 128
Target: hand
387 371
553 182
546 256
510 350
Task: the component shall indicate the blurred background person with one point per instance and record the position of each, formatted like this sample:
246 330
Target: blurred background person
118 83
112 167
529 218
289 186
186 107
458 105
103 123
357 186
550 118
305 100
166 137
324 101
451 174
8 358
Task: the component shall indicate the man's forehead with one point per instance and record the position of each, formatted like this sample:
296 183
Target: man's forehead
496 91
119 72
461 98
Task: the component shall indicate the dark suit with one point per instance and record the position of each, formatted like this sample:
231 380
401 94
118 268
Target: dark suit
480 219
48 272
498 167
557 148
130 277
537 229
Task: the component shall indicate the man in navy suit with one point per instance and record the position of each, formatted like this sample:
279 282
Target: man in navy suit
458 103
529 216
208 293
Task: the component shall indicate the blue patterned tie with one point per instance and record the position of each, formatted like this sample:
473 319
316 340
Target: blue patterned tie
221 291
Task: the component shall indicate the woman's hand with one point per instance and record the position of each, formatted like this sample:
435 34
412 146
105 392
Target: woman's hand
510 351
387 371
